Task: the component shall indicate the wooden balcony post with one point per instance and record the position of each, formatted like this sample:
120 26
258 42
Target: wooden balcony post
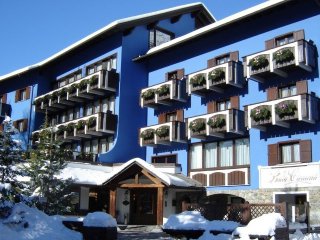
160 206
112 202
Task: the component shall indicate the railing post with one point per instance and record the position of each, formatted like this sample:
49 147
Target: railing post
307 212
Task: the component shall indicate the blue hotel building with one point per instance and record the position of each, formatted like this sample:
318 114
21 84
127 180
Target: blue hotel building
234 103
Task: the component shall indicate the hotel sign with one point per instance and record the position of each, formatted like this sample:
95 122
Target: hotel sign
298 175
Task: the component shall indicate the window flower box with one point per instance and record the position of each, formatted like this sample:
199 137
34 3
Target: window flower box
72 90
60 132
163 91
217 123
286 110
70 129
92 122
217 76
148 96
198 81
163 133
148 136
80 126
261 115
283 57
259 64
94 82
83 85
198 127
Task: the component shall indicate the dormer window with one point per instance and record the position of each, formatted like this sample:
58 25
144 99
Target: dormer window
158 36
284 40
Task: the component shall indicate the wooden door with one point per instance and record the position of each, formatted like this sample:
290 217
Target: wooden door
143 206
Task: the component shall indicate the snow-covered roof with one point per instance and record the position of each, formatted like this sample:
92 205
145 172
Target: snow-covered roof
168 179
214 26
119 25
83 173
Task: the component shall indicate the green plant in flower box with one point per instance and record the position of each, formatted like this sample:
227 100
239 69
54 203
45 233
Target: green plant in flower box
147 134
217 74
163 90
92 122
198 80
283 55
260 113
258 62
148 94
216 122
80 124
163 131
197 125
287 108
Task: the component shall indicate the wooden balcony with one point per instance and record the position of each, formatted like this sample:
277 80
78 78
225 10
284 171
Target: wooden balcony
222 177
162 134
216 124
215 79
281 112
166 93
101 83
280 60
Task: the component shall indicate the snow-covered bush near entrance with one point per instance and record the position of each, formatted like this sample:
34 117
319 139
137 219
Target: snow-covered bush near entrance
25 223
186 221
99 219
263 225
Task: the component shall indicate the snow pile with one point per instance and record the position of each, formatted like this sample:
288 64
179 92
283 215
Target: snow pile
99 219
186 221
29 223
223 226
298 235
263 225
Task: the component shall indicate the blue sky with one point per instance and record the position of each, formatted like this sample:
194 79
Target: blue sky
33 30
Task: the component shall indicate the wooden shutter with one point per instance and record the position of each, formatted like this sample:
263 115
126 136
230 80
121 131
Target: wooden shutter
272 93
4 98
212 62
17 96
234 101
302 87
269 44
28 92
25 124
234 56
273 154
211 107
15 124
216 179
180 73
162 118
200 177
180 115
236 178
1 127
298 35
305 151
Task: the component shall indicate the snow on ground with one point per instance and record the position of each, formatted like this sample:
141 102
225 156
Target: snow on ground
26 223
99 219
264 225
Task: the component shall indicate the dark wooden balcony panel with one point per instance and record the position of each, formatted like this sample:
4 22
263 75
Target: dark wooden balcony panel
217 179
236 178
107 84
5 109
107 122
177 132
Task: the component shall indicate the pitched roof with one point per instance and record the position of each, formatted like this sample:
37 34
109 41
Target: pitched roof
215 27
119 26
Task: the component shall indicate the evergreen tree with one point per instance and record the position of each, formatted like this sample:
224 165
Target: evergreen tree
47 160
10 157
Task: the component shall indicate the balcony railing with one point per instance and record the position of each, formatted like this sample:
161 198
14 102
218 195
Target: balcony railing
216 124
163 134
282 111
99 124
216 78
280 60
101 83
166 93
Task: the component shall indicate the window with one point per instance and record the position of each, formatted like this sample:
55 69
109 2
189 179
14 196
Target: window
22 94
95 146
103 146
290 152
223 59
21 125
170 117
242 151
106 64
97 106
87 146
88 109
284 40
70 114
220 154
172 158
211 155
157 36
226 154
70 78
287 91
172 75
196 156
223 105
